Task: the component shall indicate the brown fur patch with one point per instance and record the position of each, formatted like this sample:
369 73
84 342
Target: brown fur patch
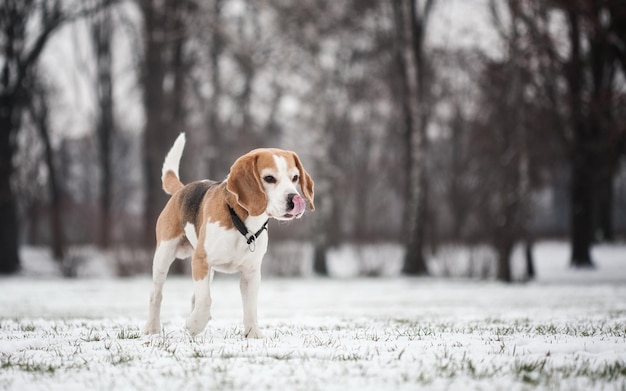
215 209
199 264
171 183
244 182
168 225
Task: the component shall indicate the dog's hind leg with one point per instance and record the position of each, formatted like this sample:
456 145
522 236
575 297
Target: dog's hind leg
164 255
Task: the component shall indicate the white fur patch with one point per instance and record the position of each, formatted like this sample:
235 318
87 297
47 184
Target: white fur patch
281 166
278 192
227 249
172 160
201 314
190 232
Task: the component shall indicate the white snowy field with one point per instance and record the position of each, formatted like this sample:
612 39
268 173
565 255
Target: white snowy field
565 331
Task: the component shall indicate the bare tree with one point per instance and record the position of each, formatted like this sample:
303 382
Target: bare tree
498 139
511 124
39 111
328 232
165 64
587 108
215 53
21 49
101 34
598 140
411 24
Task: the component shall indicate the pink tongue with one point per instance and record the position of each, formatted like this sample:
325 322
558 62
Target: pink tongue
298 205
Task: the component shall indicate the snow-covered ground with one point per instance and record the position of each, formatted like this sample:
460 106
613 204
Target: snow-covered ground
567 330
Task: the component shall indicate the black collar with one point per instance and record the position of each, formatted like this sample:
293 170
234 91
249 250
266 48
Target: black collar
241 227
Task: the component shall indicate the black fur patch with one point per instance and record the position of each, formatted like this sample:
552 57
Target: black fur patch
191 199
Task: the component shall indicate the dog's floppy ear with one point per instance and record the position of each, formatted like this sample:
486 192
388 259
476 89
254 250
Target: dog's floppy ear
244 182
306 182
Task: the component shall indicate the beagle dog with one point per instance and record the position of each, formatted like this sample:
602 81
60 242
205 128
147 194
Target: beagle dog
223 227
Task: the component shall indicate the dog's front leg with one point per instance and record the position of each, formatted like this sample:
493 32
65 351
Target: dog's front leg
250 281
201 313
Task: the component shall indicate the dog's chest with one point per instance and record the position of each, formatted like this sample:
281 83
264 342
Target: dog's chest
227 250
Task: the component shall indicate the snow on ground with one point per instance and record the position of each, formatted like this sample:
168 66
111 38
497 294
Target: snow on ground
391 333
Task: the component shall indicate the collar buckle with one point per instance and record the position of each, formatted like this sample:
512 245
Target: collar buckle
251 242
241 227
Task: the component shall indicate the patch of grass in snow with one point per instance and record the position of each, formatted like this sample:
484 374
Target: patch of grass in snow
120 358
25 364
398 353
28 327
544 372
129 333
92 335
530 372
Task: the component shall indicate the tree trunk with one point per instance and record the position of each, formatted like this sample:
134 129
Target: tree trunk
102 33
581 189
604 208
56 223
164 35
503 253
214 131
602 66
410 37
11 104
327 228
581 192
320 263
152 82
39 111
530 261
9 261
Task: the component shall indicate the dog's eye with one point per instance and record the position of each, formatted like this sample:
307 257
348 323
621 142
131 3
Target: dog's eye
295 178
269 179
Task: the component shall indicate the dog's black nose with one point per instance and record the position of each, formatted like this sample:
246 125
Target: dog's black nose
290 204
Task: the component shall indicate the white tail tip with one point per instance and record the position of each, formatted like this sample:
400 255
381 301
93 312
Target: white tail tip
172 160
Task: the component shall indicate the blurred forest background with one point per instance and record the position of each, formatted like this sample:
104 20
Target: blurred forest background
424 123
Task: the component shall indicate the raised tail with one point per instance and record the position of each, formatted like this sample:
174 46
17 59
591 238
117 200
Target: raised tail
169 174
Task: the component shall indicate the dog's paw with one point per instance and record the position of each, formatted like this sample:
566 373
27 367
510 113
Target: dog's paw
253 333
152 328
193 328
196 324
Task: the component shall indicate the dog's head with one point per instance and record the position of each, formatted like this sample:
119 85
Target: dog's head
267 180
